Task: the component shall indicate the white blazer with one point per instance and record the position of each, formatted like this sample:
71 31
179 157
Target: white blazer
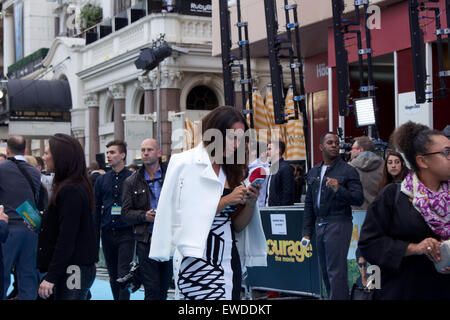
186 209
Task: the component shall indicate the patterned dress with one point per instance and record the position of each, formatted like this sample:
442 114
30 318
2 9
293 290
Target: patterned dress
217 276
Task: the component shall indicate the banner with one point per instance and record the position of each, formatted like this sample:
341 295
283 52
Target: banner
195 7
18 30
137 131
291 267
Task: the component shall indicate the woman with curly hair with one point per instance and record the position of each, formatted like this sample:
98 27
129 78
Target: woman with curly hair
407 222
395 169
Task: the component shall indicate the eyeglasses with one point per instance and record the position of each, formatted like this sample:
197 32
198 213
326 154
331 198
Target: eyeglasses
445 152
362 264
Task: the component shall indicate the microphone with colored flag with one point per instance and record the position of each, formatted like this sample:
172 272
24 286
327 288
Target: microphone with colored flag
257 176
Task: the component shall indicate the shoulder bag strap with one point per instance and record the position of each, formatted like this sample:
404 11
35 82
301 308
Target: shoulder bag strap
26 175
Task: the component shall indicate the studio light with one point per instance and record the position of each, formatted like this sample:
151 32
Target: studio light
365 112
149 58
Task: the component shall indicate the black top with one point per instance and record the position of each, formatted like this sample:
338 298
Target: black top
390 226
67 235
333 205
282 186
108 193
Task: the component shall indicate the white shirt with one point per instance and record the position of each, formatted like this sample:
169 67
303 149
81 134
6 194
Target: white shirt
322 173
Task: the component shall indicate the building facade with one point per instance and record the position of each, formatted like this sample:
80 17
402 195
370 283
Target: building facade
391 55
111 98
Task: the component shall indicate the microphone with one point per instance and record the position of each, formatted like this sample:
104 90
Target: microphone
258 176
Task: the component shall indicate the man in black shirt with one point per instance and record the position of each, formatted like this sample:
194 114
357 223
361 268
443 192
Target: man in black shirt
281 184
333 187
116 234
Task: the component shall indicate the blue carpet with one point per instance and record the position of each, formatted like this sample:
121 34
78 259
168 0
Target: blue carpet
101 290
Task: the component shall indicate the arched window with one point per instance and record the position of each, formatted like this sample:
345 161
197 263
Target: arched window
201 98
141 105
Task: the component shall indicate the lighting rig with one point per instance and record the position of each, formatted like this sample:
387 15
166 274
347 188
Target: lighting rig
418 51
276 44
230 61
365 108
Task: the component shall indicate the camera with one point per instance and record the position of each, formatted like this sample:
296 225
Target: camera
346 146
131 280
345 143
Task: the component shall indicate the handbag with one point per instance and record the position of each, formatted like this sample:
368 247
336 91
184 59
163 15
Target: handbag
359 293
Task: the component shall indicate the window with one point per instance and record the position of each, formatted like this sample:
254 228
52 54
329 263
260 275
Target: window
57 26
201 98
121 5
141 105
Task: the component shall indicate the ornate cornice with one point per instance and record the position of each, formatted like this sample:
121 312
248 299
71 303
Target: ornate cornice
91 100
171 79
78 133
117 91
145 83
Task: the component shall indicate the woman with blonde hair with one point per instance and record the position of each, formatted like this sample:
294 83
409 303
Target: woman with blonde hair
31 160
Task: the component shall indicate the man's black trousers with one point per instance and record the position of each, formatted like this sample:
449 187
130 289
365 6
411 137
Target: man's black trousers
155 276
118 248
333 242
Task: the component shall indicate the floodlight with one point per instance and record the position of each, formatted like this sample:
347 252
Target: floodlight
365 112
149 58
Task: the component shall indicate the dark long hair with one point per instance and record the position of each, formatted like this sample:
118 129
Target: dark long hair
69 165
223 118
386 177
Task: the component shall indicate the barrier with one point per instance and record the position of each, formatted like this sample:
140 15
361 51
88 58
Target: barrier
292 268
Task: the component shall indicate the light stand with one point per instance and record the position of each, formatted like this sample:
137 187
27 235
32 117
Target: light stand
150 58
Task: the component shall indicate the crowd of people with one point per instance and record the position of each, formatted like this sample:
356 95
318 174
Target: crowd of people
195 221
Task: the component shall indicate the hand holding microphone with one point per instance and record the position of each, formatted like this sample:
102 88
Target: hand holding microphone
305 242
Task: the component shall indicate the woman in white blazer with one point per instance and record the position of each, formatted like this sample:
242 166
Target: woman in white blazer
207 220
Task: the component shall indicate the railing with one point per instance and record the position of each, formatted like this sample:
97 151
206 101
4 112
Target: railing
177 29
141 10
